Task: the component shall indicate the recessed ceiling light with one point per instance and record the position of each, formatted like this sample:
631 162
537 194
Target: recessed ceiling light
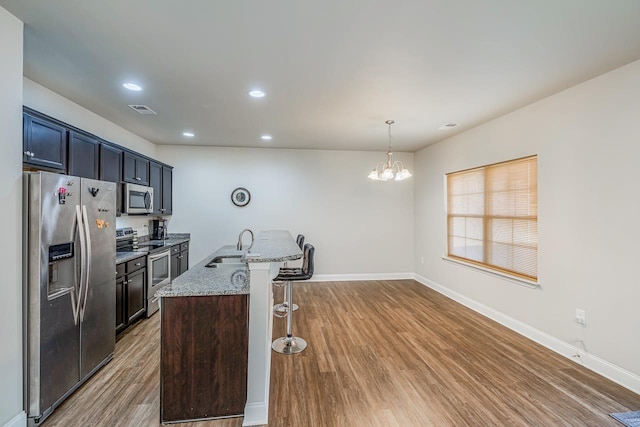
256 93
132 86
266 137
189 134
448 126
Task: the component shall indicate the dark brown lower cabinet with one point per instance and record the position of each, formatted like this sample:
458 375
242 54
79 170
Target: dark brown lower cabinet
131 294
179 259
204 354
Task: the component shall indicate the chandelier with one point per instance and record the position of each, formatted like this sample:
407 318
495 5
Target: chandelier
385 171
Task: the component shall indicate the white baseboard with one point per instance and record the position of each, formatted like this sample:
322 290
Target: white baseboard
356 277
19 420
255 414
606 369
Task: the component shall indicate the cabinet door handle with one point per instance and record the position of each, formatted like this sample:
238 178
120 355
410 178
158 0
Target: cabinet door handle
29 153
162 210
138 179
138 264
180 257
125 282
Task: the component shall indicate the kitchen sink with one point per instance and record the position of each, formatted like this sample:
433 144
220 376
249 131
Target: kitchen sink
224 259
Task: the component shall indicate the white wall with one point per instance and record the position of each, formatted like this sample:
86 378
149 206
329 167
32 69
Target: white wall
50 103
588 143
11 218
356 225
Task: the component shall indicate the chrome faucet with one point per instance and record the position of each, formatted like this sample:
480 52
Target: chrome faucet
239 246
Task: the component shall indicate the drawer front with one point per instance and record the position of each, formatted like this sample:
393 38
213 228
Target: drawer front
184 247
120 269
175 249
136 264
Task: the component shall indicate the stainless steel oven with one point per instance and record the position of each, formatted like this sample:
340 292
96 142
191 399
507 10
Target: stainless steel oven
138 199
159 265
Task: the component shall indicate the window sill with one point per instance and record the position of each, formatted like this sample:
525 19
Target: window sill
518 280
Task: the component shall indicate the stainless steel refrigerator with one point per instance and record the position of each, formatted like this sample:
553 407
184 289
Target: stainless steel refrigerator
69 285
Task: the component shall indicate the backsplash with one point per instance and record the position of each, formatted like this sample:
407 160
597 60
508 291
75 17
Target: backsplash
140 223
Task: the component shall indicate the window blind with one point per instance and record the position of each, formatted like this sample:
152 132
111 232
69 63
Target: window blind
492 216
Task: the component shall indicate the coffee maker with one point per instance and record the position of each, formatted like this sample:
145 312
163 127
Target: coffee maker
158 229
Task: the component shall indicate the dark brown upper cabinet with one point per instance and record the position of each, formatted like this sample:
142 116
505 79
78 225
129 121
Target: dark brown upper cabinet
167 190
110 163
111 170
160 178
155 181
44 143
135 169
83 155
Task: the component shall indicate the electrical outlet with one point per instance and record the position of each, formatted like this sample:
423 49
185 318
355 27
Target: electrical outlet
421 260
581 317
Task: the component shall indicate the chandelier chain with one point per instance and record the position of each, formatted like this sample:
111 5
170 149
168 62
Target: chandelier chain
390 122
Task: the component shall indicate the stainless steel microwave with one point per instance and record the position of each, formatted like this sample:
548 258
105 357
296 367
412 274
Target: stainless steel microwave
138 199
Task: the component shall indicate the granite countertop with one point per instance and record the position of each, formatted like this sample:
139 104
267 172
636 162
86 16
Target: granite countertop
199 280
232 278
174 239
274 246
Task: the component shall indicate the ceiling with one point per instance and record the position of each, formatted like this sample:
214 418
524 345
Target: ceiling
333 70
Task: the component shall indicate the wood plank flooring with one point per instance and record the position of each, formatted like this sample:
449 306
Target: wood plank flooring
381 353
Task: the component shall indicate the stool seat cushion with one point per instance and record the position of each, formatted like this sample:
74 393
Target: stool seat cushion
292 274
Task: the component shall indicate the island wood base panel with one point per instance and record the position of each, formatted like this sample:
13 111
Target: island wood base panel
203 371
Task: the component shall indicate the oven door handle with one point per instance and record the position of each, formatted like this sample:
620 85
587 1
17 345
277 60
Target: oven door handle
153 257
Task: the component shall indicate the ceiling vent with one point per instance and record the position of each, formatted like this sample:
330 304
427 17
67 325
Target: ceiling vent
142 109
448 126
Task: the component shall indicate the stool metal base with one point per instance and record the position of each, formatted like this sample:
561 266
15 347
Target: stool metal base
284 308
289 345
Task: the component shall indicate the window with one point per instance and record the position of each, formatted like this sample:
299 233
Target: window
492 217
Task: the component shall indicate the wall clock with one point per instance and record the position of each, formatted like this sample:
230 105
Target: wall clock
240 197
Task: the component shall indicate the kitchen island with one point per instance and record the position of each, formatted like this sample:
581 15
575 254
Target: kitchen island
208 348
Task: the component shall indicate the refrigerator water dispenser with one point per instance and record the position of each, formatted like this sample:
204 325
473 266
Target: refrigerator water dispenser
61 270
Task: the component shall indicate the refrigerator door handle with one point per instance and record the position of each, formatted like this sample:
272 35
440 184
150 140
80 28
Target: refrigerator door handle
87 263
83 257
75 305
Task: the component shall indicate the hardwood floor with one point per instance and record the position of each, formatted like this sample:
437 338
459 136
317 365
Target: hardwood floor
381 353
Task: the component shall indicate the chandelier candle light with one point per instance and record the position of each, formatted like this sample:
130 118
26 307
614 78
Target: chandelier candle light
389 170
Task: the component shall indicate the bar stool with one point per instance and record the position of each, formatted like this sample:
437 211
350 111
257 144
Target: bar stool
281 309
290 344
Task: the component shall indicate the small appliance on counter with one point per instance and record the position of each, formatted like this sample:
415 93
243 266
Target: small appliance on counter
158 229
